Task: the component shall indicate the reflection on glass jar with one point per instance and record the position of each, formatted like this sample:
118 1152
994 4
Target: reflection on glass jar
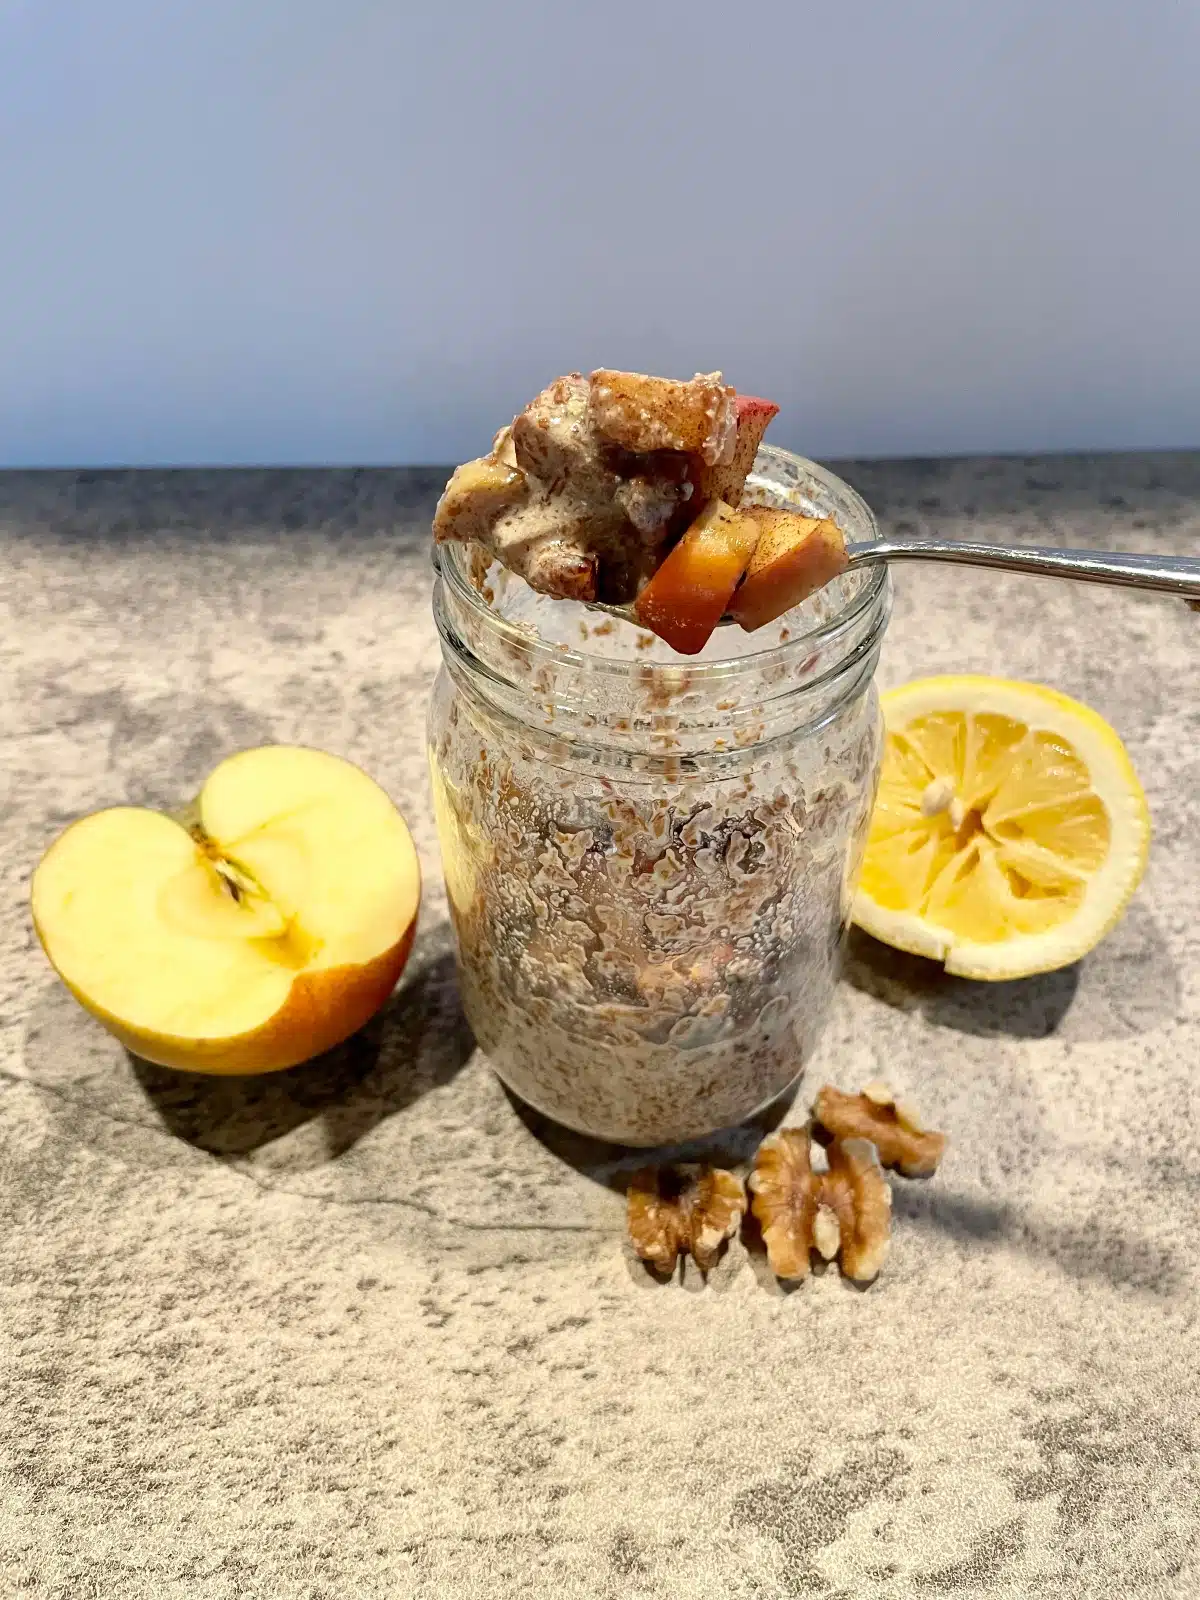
649 864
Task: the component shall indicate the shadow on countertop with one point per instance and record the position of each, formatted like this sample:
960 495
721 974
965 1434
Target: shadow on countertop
1025 1008
1097 1250
419 1042
1128 985
612 1164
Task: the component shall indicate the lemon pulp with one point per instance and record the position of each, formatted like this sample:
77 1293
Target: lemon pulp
1009 831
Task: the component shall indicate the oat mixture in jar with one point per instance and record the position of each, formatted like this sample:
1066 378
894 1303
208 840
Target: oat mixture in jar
649 864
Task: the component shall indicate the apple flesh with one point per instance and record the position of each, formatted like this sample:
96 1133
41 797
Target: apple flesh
478 494
690 592
794 557
643 414
268 931
726 480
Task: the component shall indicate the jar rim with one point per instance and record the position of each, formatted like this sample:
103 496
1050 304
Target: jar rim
870 593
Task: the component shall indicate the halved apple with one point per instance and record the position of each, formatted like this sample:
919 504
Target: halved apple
689 594
793 558
726 479
268 927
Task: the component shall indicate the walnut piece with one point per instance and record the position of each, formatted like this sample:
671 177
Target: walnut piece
890 1125
784 1189
683 1209
856 1192
845 1212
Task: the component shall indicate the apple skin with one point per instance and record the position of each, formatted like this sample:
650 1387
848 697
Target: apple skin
322 1010
755 416
687 596
726 481
795 556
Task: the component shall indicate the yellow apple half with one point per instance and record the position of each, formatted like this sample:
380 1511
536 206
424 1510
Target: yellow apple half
267 931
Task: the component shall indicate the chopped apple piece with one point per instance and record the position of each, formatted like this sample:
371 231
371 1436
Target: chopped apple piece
794 557
478 493
726 480
642 413
268 932
689 594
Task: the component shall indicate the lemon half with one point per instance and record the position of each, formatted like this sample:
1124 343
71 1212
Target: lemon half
1010 829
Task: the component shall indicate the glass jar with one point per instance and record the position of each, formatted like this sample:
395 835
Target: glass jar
649 859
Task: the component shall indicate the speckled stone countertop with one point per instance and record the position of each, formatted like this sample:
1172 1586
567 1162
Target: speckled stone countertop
368 1329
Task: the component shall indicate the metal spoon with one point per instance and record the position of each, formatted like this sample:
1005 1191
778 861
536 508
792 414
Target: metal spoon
1175 575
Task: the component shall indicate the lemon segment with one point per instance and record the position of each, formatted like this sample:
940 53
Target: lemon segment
1009 832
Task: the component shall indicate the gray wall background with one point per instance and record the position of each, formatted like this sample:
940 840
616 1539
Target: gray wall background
301 231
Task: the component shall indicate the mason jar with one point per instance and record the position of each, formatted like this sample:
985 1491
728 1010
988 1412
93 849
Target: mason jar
649 859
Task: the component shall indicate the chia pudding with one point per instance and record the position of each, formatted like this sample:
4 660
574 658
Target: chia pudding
649 865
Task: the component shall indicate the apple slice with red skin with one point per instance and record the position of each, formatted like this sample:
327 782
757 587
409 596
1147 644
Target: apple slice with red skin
691 590
793 557
726 480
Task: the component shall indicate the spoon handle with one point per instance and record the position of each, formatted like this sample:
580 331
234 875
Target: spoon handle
1177 575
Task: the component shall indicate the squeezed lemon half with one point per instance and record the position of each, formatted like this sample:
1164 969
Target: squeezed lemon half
1009 832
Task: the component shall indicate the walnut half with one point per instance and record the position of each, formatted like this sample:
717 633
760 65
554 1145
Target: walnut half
845 1212
856 1192
890 1125
785 1202
685 1209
